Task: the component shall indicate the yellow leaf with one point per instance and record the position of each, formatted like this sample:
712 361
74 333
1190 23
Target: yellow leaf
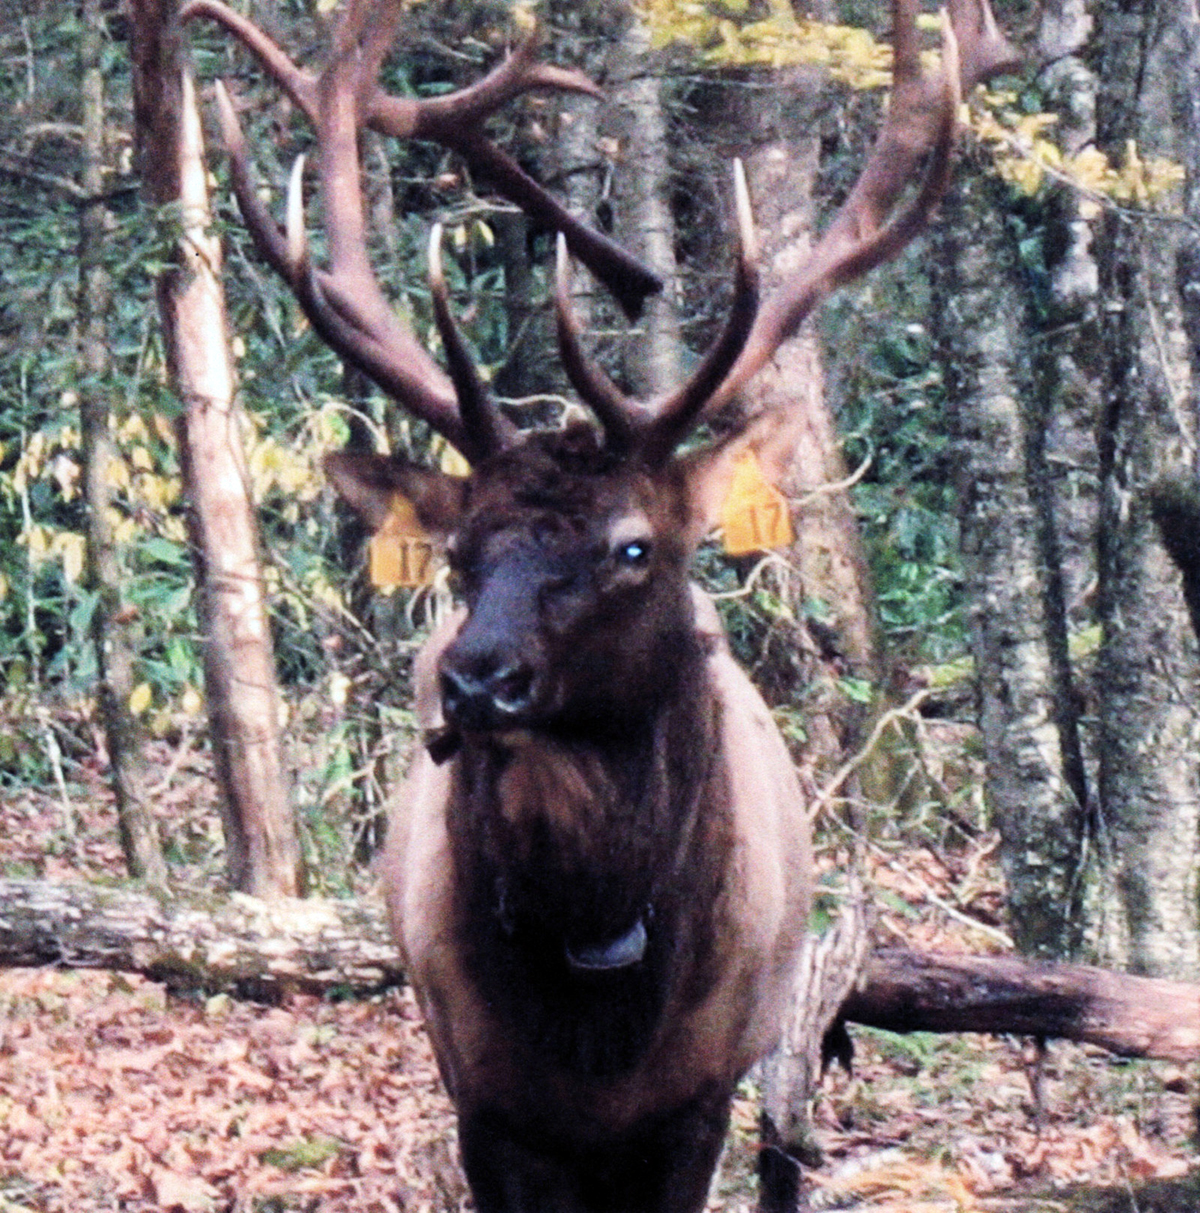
133 429
191 701
164 429
117 474
140 698
37 539
71 547
452 462
66 474
125 529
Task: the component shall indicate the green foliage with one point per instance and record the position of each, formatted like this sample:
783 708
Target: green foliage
906 500
296 401
305 1154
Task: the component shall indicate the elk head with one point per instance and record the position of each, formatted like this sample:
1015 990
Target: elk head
569 548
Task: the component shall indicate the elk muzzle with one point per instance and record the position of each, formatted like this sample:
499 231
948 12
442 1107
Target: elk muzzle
491 676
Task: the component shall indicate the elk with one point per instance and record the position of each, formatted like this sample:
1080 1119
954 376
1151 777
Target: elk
598 870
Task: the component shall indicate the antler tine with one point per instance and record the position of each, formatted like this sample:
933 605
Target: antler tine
454 120
868 229
615 410
516 74
390 355
263 229
484 428
676 414
345 306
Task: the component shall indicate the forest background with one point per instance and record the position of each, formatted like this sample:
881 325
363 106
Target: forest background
981 634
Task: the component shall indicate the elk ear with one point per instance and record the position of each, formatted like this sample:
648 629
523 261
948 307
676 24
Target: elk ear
367 482
708 473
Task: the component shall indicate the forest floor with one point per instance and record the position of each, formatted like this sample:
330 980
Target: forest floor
117 1094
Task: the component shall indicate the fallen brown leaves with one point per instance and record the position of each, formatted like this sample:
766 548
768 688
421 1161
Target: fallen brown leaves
114 1096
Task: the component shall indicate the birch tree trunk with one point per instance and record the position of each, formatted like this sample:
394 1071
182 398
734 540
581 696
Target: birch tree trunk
114 653
1150 724
1068 366
645 224
1035 780
262 848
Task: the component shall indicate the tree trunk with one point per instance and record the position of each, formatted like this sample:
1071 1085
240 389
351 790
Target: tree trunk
1035 780
1150 783
644 222
114 653
780 127
831 966
580 172
264 949
516 378
262 848
825 563
1068 362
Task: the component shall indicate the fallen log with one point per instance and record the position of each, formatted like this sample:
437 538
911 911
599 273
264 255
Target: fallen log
906 991
263 950
232 942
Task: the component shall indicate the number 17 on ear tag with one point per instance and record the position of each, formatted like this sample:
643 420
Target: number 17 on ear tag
755 516
402 556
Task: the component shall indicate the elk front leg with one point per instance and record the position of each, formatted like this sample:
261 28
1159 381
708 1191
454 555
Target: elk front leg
663 1165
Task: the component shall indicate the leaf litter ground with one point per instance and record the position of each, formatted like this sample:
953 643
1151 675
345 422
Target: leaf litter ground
116 1094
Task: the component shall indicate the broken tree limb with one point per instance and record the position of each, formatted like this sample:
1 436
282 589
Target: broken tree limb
907 991
265 949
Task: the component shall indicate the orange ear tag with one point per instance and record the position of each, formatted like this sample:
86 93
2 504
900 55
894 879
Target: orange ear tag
755 515
401 554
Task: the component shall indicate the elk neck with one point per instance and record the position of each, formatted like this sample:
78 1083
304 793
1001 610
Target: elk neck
588 864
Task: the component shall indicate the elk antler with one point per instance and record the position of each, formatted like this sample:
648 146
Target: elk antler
872 226
479 415
626 421
869 229
345 303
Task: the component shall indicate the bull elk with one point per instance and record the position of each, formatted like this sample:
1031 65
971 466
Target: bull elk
598 871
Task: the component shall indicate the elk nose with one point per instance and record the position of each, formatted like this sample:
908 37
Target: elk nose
487 696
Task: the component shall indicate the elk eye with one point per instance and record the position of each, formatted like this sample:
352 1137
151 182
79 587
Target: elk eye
635 554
